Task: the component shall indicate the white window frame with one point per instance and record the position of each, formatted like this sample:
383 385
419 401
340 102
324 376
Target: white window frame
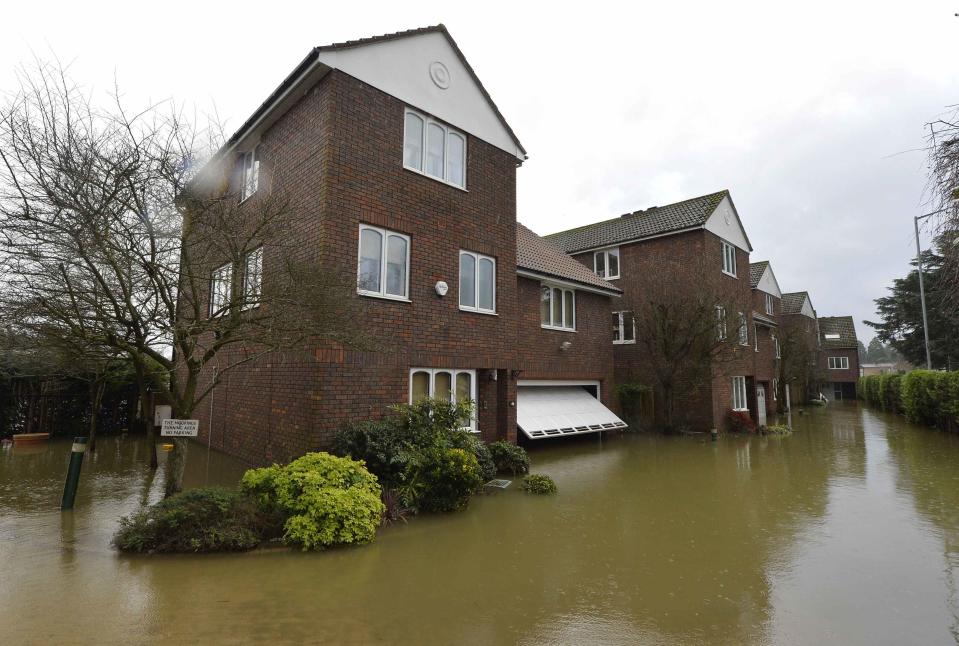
453 373
729 259
476 279
605 253
620 328
385 235
770 305
446 149
779 354
220 299
739 400
250 173
839 363
253 292
743 329
775 387
567 293
721 330
755 337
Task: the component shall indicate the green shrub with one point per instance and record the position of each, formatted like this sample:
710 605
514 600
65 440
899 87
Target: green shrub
383 445
889 391
468 441
327 500
778 429
448 478
198 520
539 484
920 397
509 457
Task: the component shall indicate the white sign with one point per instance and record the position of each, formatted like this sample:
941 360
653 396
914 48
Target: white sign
161 412
180 427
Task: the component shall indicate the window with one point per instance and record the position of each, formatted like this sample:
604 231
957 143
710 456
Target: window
775 388
743 330
776 346
477 282
606 263
839 363
251 173
384 262
720 322
221 287
253 278
624 327
434 149
739 394
832 337
770 306
557 308
447 384
756 338
729 259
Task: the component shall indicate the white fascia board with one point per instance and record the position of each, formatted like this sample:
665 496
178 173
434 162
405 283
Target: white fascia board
552 280
769 284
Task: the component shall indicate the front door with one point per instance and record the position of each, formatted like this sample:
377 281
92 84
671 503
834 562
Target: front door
760 406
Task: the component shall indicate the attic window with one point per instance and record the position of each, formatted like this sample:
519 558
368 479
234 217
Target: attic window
434 149
832 337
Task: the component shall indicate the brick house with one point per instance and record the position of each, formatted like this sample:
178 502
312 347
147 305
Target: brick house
767 306
800 346
839 358
696 247
407 171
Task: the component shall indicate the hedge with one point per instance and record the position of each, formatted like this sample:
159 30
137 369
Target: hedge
926 397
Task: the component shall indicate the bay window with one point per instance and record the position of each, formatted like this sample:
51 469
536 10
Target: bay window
434 149
384 262
557 308
477 282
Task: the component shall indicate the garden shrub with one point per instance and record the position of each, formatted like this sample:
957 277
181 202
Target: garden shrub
210 519
889 391
448 478
327 500
383 445
538 483
921 396
816 403
778 429
509 457
469 442
740 422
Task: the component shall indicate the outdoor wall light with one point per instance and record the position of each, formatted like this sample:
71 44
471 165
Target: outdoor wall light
565 345
441 288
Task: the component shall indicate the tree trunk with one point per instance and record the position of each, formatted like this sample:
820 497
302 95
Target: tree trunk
144 414
175 466
97 387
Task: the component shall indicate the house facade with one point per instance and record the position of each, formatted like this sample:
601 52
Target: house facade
839 358
679 256
799 374
406 171
767 307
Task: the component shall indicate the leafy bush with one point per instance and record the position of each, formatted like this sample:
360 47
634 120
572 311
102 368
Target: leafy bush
778 429
740 422
448 478
327 500
484 458
198 520
509 457
383 445
539 484
890 392
816 403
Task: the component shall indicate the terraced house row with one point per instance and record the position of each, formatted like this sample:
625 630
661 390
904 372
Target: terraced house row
406 171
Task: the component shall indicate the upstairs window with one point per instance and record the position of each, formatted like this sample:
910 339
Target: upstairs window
606 263
384 263
477 282
250 173
434 149
557 308
743 330
770 307
839 363
624 328
253 278
720 322
449 385
221 290
756 338
729 259
776 346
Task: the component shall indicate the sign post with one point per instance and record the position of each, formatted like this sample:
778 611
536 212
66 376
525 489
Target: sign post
180 428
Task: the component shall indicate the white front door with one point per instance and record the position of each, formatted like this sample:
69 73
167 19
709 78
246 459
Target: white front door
760 406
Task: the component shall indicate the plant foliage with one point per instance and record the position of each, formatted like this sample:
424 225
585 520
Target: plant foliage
538 483
509 457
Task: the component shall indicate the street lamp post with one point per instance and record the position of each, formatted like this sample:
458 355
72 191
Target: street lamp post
922 289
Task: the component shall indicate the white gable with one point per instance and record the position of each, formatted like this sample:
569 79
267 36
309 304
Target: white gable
807 309
724 222
415 70
768 283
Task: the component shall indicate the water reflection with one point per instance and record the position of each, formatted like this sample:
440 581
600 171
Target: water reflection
845 532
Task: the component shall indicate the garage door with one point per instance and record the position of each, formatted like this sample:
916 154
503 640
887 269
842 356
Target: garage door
554 411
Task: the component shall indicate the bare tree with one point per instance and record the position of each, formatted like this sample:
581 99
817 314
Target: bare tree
943 190
110 234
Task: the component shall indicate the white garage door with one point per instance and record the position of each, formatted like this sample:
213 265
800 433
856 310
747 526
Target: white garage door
554 411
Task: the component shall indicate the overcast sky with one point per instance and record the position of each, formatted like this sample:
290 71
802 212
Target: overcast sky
811 114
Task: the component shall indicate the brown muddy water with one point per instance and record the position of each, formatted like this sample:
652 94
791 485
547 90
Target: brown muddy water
846 532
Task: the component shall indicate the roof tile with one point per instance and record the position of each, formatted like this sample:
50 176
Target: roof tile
538 255
843 326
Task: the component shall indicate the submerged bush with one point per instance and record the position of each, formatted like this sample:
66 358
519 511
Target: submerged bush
327 500
778 429
538 483
739 421
816 403
449 477
210 519
509 457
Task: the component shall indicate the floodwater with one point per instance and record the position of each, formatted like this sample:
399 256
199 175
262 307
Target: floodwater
847 532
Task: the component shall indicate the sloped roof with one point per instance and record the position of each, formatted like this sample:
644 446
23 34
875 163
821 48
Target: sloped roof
311 58
842 326
792 302
756 270
653 221
537 255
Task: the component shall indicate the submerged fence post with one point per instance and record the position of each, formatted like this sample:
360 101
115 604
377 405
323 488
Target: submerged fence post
73 473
